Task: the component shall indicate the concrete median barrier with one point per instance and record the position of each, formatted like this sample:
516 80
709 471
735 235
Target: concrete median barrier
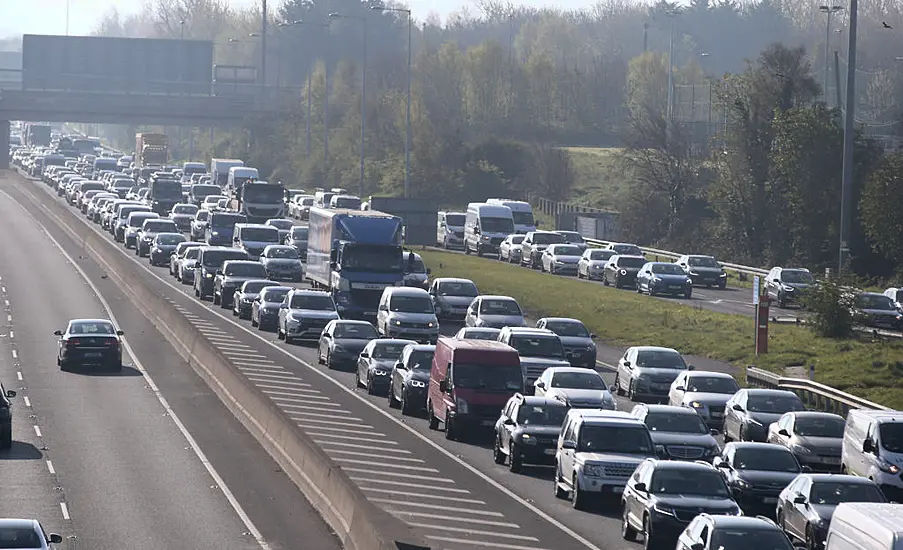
359 524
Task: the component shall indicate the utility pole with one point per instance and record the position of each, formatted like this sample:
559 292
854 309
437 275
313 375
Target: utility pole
645 36
846 196
670 111
829 11
263 45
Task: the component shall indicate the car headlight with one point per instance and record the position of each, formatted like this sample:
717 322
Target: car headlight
722 275
593 470
886 466
660 449
741 483
693 273
210 275
397 323
378 372
713 451
461 405
786 288
656 279
697 405
799 449
528 439
735 512
485 238
430 324
664 510
623 272
417 384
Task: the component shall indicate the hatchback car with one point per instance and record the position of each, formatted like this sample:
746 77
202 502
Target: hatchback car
244 296
304 314
494 312
89 342
757 473
375 364
621 271
877 311
561 259
527 431
409 378
678 432
451 296
478 333
265 308
716 532
750 411
705 392
579 347
26 534
163 246
815 438
664 278
510 249
342 342
282 263
703 270
646 372
592 263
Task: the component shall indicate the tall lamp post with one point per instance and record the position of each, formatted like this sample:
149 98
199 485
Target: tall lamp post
363 21
407 132
846 194
671 13
829 11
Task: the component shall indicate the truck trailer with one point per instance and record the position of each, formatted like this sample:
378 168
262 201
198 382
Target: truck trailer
151 149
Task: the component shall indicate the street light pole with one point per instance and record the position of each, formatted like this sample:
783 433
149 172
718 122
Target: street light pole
846 195
263 45
829 11
363 92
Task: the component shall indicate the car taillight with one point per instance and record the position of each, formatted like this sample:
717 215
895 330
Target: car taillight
72 342
111 342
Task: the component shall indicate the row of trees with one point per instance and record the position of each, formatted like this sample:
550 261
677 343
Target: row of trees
495 96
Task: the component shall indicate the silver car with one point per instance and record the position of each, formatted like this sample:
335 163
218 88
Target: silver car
510 249
592 263
704 392
494 312
304 314
282 263
28 534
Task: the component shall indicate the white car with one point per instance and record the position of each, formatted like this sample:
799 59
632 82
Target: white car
592 263
509 250
576 387
26 534
561 259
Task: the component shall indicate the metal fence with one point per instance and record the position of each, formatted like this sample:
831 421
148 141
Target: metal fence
815 396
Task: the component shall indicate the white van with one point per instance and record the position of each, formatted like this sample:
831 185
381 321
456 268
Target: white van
866 526
450 229
873 448
238 175
521 211
485 227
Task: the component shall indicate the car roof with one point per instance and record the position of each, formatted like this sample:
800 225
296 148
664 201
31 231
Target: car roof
561 320
486 330
860 294
599 415
839 478
619 256
556 370
393 341
497 297
19 523
769 391
814 414
406 291
451 280
421 347
654 348
755 445
541 400
530 331
252 225
308 292
709 374
167 233
352 322
98 321
242 262
253 281
276 286
681 464
741 521
670 409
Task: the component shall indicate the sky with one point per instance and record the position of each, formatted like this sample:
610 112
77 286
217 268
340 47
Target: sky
49 16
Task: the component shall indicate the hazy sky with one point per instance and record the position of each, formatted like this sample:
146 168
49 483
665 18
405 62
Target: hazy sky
49 16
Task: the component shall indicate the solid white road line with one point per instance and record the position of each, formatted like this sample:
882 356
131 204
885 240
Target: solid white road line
477 532
455 518
395 482
468 543
486 513
394 492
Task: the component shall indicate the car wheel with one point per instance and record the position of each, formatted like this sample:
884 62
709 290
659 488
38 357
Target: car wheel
559 492
811 543
327 360
688 294
433 421
649 542
742 435
604 280
216 298
451 432
515 460
320 358
722 285
235 310
406 408
631 390
394 403
618 389
627 532
497 455
578 496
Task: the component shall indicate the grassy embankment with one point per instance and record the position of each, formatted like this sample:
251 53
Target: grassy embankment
869 369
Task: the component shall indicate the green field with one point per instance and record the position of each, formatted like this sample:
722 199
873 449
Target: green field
597 180
873 370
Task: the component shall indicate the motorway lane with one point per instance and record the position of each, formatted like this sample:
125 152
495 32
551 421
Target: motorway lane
127 476
480 505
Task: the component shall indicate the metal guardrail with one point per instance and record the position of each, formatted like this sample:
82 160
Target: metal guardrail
815 396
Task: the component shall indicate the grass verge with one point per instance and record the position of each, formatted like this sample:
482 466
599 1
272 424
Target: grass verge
873 370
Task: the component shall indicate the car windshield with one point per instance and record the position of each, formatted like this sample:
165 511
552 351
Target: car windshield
749 539
411 304
568 328
122 184
601 255
259 234
170 240
350 203
768 458
573 237
497 225
578 380
274 295
355 331
548 238
215 258
91 327
675 423
796 276
222 220
541 415
202 215
631 263
284 252
771 403
874 301
702 261
627 249
254 287
312 301
138 221
614 439
380 259
891 435
538 346
517 239
388 351
213 199
281 224
299 233
832 493
160 226
660 359
712 384
192 253
566 251
488 377
457 288
421 360
264 193
499 307
455 220
819 426
491 335
189 209
522 218
414 266
201 190
245 270
680 481
20 537
667 269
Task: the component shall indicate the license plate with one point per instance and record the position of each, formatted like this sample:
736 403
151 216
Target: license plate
549 451
93 354
488 423
770 500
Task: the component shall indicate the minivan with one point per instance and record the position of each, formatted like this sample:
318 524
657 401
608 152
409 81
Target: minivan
407 313
873 448
470 382
254 237
866 526
220 227
485 227
450 229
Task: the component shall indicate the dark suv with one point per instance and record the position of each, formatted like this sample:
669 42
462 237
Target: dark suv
6 418
231 276
757 473
527 431
210 260
663 496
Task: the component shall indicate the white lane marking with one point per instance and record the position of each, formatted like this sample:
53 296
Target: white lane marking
265 369
474 532
12 334
399 466
322 415
470 542
394 474
281 401
350 424
395 482
15 355
332 412
394 492
295 392
438 507
9 318
370 456
283 377
371 448
231 346
220 482
454 518
7 302
285 384
27 401
313 433
258 362
19 375
375 408
37 431
50 468
65 510
249 353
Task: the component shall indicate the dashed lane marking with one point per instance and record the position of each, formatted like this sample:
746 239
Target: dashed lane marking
399 466
394 492
446 517
469 542
476 532
370 456
37 431
65 510
332 412
330 423
50 468
371 448
19 376
367 439
27 401
392 502
321 415
282 400
395 482
396 474
295 392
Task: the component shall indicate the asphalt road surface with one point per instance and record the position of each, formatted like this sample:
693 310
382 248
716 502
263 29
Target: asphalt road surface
451 492
104 458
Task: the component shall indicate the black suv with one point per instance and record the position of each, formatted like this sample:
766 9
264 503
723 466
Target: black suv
527 431
663 496
6 418
749 412
757 473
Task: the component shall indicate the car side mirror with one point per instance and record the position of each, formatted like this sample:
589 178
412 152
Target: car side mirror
58 332
10 393
723 464
612 388
333 265
400 366
776 281
641 487
691 367
697 546
383 308
593 335
868 446
680 388
120 333
799 499
283 306
443 385
627 363
234 239
219 271
784 432
714 432
510 422
569 444
365 355
806 469
539 384
327 335
429 271
738 407
55 539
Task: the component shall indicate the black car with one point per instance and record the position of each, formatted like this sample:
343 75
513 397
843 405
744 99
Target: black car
757 473
678 432
709 532
244 296
6 418
877 311
375 363
579 347
409 380
527 431
162 247
806 505
620 271
342 341
749 412
90 342
663 496
265 308
816 438
703 270
233 274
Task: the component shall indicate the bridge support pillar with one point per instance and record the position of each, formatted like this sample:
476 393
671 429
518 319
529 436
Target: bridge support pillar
4 144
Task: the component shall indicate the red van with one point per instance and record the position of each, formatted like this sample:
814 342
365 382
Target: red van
470 382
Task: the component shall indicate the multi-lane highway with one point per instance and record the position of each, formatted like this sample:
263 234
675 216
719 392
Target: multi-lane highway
450 492
145 459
